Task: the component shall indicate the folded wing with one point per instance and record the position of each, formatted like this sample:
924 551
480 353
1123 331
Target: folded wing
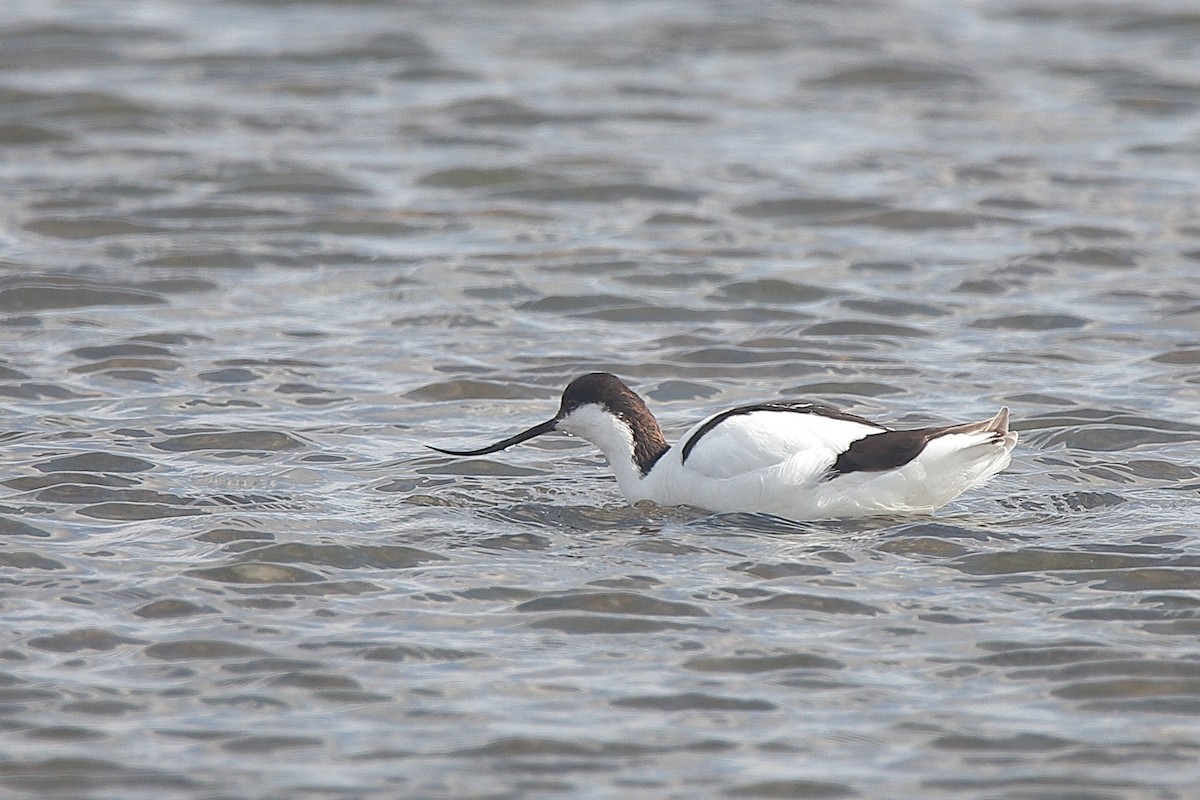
750 438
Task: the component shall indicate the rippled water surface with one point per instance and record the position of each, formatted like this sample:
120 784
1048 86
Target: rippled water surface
255 255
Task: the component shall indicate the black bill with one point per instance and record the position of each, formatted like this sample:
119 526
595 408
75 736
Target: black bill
536 430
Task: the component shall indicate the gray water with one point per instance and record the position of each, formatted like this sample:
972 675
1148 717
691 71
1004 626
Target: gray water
255 255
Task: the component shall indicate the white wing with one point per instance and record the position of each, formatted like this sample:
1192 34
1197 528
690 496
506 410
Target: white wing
757 437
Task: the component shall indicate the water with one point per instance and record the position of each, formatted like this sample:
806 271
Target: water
255 255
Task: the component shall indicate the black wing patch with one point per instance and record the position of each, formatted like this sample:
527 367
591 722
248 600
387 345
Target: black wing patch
795 408
880 452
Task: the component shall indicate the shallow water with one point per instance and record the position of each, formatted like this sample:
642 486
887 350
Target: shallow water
255 255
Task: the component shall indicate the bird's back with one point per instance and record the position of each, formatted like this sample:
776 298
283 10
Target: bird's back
795 464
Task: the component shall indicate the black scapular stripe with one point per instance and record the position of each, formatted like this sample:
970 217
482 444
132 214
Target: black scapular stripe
795 408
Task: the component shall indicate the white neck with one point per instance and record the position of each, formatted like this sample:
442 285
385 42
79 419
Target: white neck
615 439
